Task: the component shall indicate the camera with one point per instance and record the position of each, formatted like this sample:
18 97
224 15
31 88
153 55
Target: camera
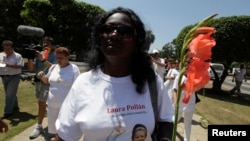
29 50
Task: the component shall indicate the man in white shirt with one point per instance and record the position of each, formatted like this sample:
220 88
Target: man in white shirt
12 63
158 63
238 77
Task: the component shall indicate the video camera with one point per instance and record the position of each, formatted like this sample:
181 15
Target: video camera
29 50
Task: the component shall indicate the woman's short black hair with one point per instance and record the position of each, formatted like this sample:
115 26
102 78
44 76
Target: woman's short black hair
141 66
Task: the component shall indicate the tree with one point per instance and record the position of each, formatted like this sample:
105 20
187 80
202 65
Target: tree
232 43
169 51
68 22
9 19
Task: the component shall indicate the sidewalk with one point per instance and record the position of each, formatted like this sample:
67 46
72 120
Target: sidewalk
198 133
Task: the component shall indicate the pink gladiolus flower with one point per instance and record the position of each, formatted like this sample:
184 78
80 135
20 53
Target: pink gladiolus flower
197 76
200 46
198 42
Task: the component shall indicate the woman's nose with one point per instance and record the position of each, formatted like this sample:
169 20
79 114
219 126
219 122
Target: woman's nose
114 33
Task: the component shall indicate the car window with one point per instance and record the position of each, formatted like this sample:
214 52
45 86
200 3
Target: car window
218 67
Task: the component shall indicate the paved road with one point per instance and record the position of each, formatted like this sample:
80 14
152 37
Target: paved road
245 87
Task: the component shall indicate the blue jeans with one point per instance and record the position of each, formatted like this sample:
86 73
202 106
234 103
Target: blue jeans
10 84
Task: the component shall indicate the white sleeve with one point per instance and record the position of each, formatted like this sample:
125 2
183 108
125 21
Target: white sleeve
184 78
175 85
165 106
20 61
67 128
76 72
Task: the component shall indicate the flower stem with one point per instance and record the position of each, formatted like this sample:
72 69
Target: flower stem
188 38
177 104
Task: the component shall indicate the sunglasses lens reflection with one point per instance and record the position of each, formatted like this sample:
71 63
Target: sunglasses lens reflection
123 30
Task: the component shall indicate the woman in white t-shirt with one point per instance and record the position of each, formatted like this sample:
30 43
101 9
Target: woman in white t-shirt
60 77
170 77
185 109
106 102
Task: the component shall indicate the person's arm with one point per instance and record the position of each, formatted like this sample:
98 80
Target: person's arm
57 138
13 66
19 63
44 61
3 127
170 75
42 77
158 62
233 77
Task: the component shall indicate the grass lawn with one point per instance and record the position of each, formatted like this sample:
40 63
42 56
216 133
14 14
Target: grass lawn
215 108
27 115
223 108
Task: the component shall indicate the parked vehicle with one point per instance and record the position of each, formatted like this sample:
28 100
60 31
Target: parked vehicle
219 68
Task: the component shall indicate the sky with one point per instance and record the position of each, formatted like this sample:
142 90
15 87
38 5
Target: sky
166 18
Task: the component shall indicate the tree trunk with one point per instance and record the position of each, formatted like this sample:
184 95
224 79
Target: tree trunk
217 82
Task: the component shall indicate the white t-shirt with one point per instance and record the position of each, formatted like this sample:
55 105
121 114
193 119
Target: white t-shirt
169 83
107 108
160 69
183 107
60 80
14 59
240 74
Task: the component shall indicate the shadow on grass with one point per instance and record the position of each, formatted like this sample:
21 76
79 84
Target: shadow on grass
19 117
243 99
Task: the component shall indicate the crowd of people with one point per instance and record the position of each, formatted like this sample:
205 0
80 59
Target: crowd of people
171 78
110 102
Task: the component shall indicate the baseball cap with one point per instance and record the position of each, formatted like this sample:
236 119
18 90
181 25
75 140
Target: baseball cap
155 51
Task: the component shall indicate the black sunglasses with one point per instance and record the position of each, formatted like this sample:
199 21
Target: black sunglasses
124 31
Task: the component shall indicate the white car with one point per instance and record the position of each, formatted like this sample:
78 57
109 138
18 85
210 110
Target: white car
219 68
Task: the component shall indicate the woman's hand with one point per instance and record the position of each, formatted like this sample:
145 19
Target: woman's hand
40 74
39 55
3 127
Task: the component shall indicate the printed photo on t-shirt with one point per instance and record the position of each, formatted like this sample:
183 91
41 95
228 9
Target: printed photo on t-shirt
139 133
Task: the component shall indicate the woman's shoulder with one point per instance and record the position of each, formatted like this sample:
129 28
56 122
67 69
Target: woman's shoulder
90 74
73 65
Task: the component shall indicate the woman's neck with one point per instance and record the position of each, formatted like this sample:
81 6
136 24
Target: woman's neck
115 71
64 65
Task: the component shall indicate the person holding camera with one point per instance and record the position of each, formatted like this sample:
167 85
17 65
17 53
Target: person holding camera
11 68
43 61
